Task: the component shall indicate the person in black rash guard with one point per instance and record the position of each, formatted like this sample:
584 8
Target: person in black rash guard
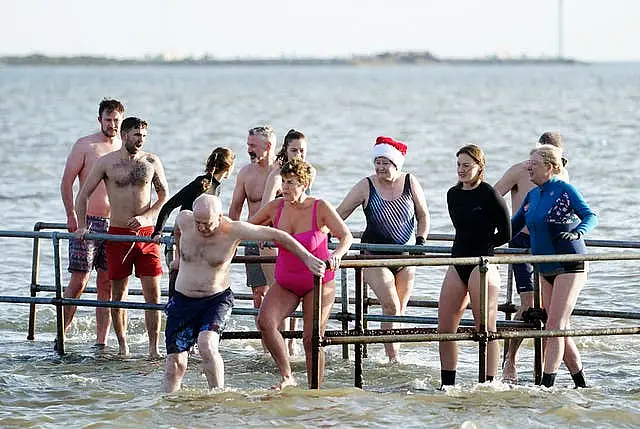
481 220
218 167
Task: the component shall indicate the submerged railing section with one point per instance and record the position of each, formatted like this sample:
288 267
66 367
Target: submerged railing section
359 335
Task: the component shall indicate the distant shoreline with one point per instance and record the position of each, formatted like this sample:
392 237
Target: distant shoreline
387 58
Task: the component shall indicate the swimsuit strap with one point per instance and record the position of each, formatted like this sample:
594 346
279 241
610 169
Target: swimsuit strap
407 184
314 218
277 219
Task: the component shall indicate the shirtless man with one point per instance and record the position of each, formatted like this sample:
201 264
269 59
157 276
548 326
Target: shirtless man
250 183
128 175
516 181
201 306
85 255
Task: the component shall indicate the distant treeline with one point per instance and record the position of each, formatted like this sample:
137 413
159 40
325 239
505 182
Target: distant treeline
382 59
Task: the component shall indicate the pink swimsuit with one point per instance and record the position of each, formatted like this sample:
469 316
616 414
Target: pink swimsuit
291 273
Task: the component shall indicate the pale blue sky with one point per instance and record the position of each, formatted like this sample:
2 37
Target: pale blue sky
593 29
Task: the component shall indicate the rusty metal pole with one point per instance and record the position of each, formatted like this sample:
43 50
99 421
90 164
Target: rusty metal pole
359 327
507 315
537 342
314 383
59 307
35 270
344 297
484 320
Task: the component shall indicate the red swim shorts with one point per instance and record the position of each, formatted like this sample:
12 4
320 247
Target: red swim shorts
123 255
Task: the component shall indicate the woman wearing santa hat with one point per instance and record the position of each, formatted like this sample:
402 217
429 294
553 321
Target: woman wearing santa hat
393 203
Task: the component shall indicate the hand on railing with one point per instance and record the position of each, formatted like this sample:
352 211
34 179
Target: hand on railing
315 265
333 263
419 242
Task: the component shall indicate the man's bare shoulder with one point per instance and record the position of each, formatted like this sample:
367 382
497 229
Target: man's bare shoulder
90 139
246 170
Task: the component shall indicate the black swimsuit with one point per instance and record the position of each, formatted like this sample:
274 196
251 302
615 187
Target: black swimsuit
481 220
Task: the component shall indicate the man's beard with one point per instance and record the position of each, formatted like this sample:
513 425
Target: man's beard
115 133
132 149
254 157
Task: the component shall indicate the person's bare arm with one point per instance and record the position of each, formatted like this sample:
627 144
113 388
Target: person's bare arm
239 195
356 197
330 218
177 233
271 186
246 231
423 217
96 175
72 168
266 214
507 181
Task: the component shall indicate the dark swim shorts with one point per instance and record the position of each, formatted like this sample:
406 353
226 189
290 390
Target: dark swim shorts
255 275
87 254
522 273
187 317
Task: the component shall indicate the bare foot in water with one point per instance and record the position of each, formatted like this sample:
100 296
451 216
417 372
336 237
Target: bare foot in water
286 382
154 353
293 346
123 351
509 373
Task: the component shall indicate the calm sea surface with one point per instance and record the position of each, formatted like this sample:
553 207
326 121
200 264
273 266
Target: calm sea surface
435 110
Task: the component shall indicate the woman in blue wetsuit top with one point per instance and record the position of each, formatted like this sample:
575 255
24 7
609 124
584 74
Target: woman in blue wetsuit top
481 220
557 217
394 206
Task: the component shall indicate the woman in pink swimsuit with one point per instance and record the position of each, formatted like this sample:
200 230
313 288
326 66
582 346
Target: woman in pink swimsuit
308 220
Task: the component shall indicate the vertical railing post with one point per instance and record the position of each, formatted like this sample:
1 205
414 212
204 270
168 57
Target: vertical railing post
35 270
314 383
537 342
59 307
365 311
508 315
359 285
484 320
344 298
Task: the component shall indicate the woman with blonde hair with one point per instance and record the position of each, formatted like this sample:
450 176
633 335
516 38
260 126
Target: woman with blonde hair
557 217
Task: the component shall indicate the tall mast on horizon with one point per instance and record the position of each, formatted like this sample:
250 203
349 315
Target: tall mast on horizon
560 29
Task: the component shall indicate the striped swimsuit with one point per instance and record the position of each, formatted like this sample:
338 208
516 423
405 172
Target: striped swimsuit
389 221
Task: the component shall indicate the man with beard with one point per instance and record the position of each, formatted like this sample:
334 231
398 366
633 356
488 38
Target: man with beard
128 175
85 255
261 146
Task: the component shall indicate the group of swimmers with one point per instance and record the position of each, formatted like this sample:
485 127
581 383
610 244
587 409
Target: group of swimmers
116 177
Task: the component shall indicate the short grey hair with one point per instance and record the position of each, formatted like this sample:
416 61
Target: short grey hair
266 132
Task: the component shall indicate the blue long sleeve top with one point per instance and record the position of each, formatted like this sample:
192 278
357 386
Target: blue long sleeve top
553 207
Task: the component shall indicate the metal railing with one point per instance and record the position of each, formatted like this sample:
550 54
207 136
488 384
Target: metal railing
359 335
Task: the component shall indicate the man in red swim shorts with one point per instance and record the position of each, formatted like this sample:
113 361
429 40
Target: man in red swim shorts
128 175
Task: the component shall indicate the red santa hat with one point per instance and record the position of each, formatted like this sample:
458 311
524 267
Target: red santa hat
392 149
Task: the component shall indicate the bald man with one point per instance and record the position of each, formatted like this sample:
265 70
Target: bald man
200 309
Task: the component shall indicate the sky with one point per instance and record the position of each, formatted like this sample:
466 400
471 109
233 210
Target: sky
594 30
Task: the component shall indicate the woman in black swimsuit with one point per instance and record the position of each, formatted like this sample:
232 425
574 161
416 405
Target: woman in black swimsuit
481 220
